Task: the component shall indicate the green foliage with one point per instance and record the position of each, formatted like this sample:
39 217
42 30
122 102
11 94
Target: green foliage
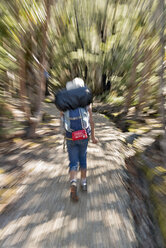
115 100
47 100
87 40
4 111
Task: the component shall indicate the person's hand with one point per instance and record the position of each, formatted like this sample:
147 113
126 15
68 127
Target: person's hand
94 140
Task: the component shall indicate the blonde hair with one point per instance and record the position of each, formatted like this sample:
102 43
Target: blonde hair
75 83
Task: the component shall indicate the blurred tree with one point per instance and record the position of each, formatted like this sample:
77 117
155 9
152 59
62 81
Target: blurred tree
105 41
162 83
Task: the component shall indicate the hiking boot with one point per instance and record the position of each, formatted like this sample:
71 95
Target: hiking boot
83 187
73 193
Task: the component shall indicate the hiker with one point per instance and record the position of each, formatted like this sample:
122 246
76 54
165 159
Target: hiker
77 149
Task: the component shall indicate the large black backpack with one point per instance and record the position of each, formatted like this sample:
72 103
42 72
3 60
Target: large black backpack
72 99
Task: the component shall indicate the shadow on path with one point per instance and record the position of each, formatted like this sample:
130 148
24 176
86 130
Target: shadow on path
44 216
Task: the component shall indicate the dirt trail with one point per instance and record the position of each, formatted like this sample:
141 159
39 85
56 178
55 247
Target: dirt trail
44 216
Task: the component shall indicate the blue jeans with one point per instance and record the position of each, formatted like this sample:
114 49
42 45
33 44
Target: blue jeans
77 152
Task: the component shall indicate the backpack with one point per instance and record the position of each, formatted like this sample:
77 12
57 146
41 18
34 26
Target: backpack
75 120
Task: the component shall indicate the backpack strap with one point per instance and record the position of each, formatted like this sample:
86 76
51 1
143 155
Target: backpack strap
81 116
66 121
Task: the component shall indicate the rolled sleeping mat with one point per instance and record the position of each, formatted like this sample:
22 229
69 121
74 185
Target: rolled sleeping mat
72 99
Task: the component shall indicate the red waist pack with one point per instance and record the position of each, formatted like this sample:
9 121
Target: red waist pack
79 135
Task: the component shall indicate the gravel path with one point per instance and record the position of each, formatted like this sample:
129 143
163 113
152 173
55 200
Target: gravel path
44 216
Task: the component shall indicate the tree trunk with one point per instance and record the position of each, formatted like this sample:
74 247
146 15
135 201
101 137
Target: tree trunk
22 76
31 131
132 81
42 66
162 84
81 42
143 92
132 84
103 82
103 33
113 19
103 28
41 80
